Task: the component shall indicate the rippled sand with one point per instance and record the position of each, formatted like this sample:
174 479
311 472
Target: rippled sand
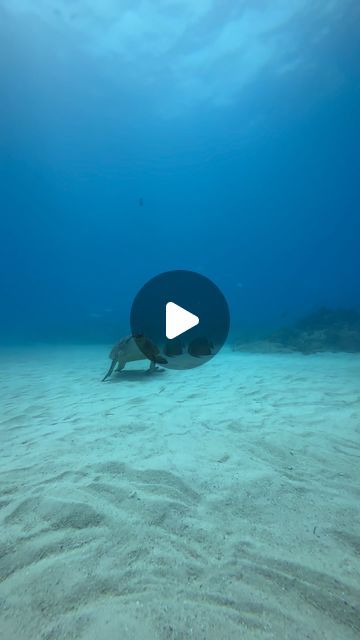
217 503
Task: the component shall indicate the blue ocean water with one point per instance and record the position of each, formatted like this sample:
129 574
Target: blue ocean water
216 503
216 137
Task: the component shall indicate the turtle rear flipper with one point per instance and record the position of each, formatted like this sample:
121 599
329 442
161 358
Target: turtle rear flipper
160 360
153 367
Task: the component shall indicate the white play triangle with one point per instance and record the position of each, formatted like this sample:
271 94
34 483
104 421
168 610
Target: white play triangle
178 320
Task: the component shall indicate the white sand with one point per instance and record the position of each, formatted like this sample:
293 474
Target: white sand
218 503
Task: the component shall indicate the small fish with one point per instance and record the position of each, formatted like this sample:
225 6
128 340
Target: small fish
141 202
173 348
200 347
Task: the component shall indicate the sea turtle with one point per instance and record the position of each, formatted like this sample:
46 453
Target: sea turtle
127 350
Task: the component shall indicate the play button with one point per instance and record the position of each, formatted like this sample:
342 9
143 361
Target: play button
178 320
182 317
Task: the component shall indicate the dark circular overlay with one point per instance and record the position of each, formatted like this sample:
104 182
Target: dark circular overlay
194 293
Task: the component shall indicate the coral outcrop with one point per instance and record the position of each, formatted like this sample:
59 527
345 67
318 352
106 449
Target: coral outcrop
324 330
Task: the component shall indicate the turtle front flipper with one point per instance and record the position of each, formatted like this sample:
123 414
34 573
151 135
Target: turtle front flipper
111 369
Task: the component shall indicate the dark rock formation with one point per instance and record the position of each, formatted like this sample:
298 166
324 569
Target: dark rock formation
324 330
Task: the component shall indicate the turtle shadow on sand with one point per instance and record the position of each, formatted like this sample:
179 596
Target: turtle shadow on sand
135 375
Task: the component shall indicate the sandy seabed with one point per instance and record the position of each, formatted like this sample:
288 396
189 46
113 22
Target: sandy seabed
220 503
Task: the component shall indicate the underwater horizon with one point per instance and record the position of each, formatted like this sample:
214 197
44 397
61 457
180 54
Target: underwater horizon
208 136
